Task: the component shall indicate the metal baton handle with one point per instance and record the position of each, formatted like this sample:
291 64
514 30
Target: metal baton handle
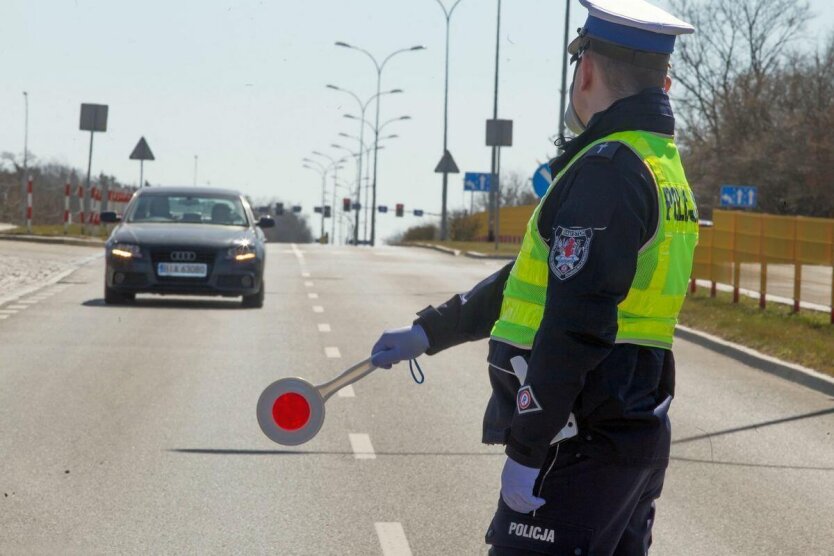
353 374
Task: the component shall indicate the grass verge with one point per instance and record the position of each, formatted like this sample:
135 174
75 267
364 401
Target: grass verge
806 338
55 230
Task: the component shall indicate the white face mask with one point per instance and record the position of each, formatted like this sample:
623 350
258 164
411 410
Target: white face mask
572 120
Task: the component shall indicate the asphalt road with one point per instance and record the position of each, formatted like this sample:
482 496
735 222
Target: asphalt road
132 429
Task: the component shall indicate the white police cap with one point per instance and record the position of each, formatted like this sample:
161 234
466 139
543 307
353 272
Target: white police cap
619 28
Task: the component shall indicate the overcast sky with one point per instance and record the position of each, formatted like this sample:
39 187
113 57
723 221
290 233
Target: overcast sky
241 84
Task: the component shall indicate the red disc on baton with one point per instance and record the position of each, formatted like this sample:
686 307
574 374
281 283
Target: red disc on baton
291 411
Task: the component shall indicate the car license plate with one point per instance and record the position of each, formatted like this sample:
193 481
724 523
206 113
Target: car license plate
182 270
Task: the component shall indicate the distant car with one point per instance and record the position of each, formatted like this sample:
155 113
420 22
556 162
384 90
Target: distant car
186 241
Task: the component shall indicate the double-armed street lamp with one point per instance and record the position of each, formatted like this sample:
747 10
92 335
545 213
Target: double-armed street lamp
322 170
379 67
362 107
335 165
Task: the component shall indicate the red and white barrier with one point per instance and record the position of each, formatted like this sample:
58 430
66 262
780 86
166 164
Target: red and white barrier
67 215
29 205
95 206
81 204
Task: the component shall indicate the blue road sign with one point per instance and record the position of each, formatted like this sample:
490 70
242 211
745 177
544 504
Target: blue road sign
739 196
418 212
474 181
382 208
541 179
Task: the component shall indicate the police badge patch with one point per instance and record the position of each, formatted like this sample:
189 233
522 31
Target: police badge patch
570 251
525 401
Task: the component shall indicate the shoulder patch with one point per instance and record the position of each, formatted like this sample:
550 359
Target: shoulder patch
605 150
569 252
526 402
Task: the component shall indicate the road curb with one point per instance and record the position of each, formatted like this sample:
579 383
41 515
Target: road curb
446 250
58 240
766 363
53 279
479 255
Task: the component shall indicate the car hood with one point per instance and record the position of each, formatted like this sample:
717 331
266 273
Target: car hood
197 235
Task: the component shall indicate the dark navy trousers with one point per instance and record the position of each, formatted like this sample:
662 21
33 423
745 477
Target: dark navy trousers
593 509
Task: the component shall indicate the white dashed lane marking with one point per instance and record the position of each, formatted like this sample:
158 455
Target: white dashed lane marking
361 445
308 283
8 311
318 309
305 274
18 307
7 316
392 539
312 295
28 301
324 327
332 352
347 392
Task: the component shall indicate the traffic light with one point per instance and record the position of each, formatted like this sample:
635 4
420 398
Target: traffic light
327 211
279 209
418 212
346 204
400 209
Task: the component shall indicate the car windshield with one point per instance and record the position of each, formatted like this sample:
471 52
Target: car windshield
189 209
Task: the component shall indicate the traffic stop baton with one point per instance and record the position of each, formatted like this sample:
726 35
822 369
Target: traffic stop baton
291 410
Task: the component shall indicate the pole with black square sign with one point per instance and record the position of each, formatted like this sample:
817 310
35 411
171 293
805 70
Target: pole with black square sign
93 118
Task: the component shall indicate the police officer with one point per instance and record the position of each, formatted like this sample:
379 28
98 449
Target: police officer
581 324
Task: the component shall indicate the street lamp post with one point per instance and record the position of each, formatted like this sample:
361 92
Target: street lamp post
362 107
25 150
334 165
322 170
379 68
443 221
563 92
195 170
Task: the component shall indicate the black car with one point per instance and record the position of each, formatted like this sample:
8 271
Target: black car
187 241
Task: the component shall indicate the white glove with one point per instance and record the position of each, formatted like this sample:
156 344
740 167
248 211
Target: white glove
517 483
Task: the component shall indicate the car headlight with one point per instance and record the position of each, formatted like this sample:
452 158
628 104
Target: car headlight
242 252
126 251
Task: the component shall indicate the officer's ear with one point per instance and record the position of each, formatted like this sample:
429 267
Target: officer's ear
667 83
587 71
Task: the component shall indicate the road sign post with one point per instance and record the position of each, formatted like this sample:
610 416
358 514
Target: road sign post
499 133
93 118
142 152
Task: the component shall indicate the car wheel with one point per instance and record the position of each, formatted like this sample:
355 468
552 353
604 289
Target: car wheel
254 301
112 297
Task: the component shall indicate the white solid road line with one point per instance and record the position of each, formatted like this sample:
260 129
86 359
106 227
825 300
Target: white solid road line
392 539
318 309
332 352
297 252
347 392
312 295
324 327
308 283
7 316
361 445
8 311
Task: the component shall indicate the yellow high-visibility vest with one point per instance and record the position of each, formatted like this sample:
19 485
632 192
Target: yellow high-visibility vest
649 313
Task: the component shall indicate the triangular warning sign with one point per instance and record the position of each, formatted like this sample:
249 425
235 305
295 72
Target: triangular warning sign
142 151
447 165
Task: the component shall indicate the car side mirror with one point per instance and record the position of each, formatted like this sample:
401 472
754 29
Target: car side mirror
266 222
110 217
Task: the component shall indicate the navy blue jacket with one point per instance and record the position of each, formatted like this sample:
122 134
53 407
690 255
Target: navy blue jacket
620 393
